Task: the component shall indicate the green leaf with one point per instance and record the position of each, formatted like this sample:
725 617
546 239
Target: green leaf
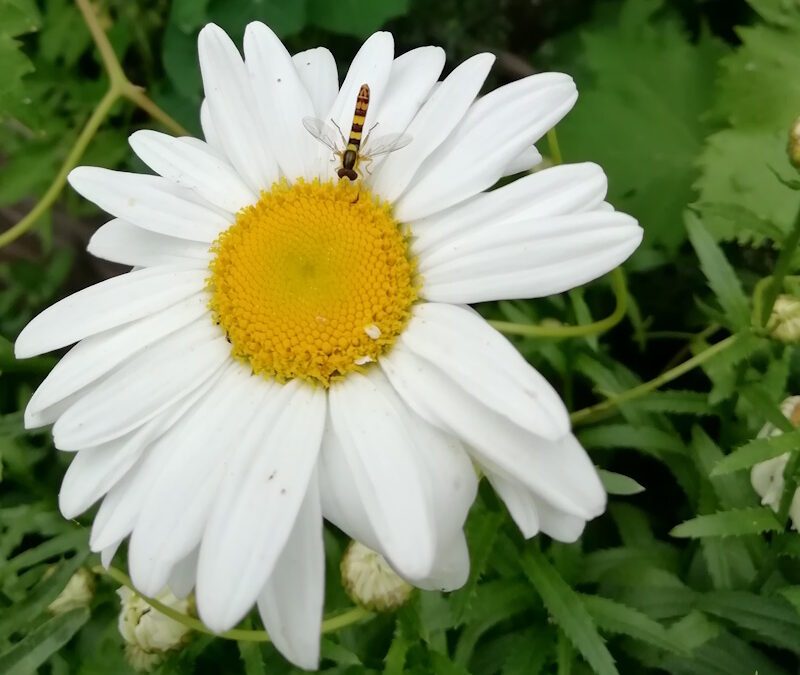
619 484
735 522
765 406
253 660
569 612
694 630
738 162
25 656
773 620
615 617
18 17
732 491
354 17
673 401
649 84
36 601
721 277
728 561
724 655
649 440
481 530
757 450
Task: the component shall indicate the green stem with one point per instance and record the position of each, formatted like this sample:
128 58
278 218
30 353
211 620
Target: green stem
555 149
111 63
537 330
137 96
781 268
334 623
98 117
119 87
593 412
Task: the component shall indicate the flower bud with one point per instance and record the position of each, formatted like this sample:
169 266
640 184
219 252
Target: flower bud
370 582
784 322
793 147
767 477
148 633
77 593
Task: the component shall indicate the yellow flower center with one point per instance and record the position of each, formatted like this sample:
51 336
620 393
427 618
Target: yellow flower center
313 281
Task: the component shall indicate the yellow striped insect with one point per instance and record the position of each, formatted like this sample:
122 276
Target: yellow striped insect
349 152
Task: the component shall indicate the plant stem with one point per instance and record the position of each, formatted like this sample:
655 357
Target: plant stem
111 63
137 96
346 618
559 332
98 117
592 412
781 268
555 149
119 87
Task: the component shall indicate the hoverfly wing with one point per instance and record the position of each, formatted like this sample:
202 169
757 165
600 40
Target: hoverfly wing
383 145
323 132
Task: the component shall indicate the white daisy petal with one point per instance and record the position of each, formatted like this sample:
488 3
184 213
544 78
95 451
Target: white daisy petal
183 576
441 456
123 243
558 524
108 553
531 259
494 131
192 458
411 79
41 418
532 514
106 305
93 357
258 504
143 386
291 601
559 471
437 118
232 109
560 190
209 131
520 502
151 202
283 100
371 65
449 337
95 471
524 161
376 440
121 506
317 70
195 166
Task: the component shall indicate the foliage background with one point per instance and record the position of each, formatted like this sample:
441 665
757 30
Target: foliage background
686 104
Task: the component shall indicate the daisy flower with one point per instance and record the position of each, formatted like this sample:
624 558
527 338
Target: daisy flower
290 346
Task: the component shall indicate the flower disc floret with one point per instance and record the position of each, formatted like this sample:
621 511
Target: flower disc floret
313 281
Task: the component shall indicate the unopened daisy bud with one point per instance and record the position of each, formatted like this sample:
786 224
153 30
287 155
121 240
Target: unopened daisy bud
148 633
793 148
767 477
370 582
784 322
77 593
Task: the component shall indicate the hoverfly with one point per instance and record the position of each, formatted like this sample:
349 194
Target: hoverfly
348 152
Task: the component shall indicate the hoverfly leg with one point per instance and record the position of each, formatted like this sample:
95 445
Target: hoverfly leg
366 161
369 131
339 129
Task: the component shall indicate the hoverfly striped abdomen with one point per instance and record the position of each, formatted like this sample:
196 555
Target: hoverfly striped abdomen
350 151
